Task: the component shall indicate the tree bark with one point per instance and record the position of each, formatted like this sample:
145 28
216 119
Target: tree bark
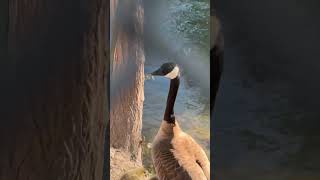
127 76
216 53
54 107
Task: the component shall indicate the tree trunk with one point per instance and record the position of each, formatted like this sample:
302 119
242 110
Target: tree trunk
54 106
127 77
216 53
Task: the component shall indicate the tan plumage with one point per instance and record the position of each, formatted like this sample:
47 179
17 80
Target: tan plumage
177 156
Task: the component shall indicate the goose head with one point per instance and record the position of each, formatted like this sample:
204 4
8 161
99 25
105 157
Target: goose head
169 70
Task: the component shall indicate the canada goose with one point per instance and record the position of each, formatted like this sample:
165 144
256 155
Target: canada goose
175 154
134 174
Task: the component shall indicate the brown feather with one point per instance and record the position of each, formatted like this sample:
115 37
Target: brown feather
177 156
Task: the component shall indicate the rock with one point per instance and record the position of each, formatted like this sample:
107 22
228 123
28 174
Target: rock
135 174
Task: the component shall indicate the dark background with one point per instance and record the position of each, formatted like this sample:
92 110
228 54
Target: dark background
266 121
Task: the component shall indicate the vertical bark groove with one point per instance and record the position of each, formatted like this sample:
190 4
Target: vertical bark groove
58 107
127 83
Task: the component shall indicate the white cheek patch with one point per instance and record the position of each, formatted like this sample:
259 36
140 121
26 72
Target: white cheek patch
173 74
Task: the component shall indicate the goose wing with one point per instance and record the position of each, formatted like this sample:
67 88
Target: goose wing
166 165
202 160
191 157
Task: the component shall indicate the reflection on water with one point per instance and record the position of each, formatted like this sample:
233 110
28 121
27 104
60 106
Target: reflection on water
190 109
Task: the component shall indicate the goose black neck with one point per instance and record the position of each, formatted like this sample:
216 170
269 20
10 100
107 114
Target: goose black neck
174 86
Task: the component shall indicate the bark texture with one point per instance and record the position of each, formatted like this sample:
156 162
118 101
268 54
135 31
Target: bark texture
54 105
216 53
127 77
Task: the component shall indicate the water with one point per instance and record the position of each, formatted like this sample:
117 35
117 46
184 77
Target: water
190 109
178 31
265 122
266 118
259 131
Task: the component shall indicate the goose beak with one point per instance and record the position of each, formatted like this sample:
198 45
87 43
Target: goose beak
157 73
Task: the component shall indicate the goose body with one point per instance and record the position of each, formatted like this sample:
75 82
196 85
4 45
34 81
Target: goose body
175 154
